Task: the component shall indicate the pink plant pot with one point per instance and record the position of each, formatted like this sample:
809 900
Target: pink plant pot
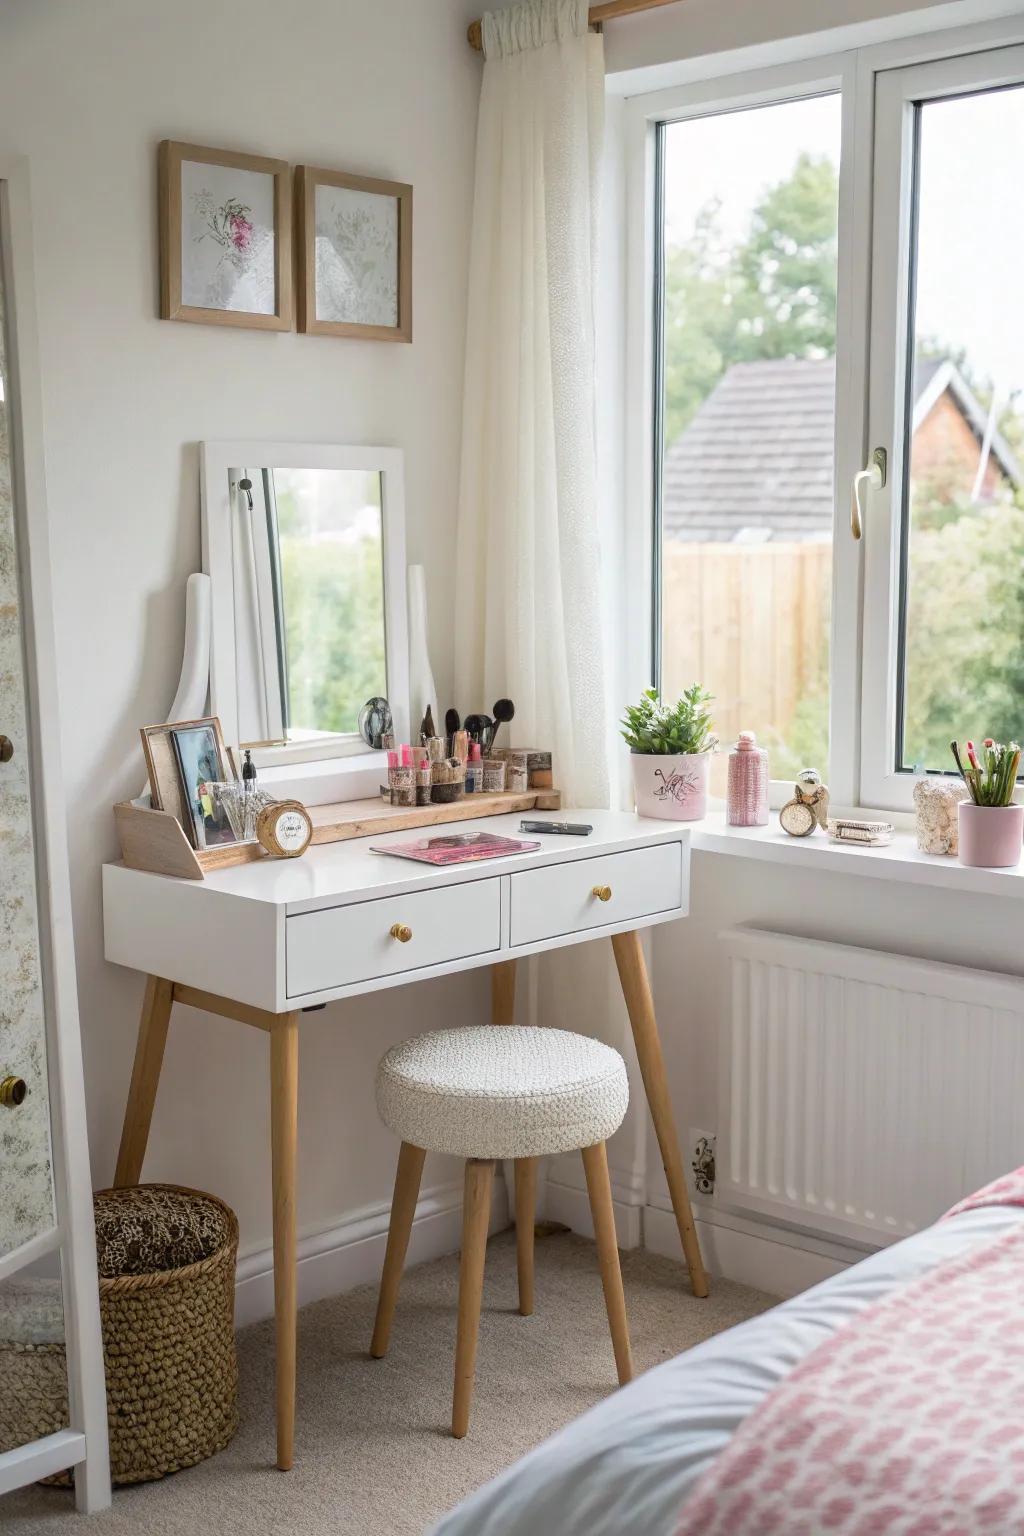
673 788
990 836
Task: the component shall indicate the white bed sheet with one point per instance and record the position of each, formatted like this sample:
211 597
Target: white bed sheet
628 1464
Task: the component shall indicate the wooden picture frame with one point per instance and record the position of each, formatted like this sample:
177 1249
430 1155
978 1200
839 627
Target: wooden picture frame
311 303
167 791
228 239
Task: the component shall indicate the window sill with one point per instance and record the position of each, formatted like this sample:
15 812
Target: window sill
900 860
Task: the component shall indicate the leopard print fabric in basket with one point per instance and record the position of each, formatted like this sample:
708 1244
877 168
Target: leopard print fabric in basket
153 1228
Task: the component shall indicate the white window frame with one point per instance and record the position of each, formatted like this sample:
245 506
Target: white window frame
897 92
862 668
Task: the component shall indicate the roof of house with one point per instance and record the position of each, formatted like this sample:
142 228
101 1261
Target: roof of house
755 462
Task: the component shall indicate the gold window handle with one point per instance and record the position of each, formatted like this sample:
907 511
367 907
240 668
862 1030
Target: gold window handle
401 931
602 892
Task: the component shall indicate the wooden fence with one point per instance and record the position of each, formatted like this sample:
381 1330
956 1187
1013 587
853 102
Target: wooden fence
749 621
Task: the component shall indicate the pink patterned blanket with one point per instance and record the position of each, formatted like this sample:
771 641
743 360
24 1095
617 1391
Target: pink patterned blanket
908 1422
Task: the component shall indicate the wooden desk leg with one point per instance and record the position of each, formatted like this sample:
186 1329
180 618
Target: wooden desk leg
503 992
636 989
284 1109
149 1056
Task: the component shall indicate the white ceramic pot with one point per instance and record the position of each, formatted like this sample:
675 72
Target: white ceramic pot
674 788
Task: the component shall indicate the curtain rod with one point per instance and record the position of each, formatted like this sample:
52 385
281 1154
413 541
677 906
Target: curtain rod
608 10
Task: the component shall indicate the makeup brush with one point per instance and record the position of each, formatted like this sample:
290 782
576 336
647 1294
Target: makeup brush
504 710
480 727
451 725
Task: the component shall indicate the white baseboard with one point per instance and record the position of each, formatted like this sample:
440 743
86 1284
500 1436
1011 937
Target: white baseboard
351 1253
570 1205
771 1259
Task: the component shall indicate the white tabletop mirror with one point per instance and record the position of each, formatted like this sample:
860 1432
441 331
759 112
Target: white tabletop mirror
305 548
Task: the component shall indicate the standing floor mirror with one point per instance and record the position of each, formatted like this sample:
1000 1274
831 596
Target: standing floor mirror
49 1302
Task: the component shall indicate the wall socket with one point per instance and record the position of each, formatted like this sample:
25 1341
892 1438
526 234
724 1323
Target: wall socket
702 1160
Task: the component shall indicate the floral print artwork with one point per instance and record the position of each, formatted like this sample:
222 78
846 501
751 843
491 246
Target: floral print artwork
227 238
356 256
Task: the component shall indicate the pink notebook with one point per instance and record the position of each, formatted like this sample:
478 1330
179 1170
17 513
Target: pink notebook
458 848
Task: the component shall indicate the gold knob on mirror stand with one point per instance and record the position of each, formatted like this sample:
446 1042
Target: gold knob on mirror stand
401 931
13 1091
602 892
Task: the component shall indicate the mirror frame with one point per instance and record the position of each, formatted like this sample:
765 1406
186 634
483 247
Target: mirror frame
217 460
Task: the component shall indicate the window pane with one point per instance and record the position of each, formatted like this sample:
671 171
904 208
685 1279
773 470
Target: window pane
331 548
962 657
750 243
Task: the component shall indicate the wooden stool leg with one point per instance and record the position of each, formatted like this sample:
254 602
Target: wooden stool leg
595 1165
284 1110
526 1205
476 1213
149 1056
503 992
403 1209
636 989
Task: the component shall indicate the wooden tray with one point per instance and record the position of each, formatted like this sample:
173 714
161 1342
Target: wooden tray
154 840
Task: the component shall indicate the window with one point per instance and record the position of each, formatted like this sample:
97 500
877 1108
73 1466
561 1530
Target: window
747 389
957 492
831 263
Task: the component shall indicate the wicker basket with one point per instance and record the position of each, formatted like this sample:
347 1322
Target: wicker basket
168 1337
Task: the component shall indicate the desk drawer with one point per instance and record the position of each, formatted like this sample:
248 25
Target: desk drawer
547 903
339 946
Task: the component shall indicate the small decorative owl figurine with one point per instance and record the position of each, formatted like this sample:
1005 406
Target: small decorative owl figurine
808 808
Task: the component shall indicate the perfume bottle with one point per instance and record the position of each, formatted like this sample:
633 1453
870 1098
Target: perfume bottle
747 792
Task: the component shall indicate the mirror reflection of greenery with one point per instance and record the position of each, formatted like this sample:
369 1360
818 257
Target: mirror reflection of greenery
332 579
773 295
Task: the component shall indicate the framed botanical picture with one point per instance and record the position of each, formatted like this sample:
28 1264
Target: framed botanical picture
225 238
355 255
183 759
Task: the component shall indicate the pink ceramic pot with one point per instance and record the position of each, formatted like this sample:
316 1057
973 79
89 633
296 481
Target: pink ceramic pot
674 788
991 836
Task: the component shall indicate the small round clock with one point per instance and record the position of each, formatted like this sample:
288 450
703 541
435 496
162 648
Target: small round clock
797 818
284 829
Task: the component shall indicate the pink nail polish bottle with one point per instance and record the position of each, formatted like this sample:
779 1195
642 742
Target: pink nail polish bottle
747 792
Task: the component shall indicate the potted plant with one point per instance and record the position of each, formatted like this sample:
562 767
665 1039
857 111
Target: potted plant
670 747
991 827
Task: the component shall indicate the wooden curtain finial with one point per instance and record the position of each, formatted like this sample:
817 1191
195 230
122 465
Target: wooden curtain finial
476 36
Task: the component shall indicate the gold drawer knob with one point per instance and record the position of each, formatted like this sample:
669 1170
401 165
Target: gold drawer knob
13 1091
402 932
602 892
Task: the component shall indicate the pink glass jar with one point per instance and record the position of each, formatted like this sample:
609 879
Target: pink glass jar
747 794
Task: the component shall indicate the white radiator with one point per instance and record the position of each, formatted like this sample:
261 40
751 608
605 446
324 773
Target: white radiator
863 1093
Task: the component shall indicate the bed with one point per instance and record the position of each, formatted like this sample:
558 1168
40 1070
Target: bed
641 1458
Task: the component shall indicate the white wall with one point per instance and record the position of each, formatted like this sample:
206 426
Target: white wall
86 92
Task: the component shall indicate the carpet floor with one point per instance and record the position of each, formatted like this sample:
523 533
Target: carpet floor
373 1452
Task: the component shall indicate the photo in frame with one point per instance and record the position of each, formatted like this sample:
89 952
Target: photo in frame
225 237
355 255
201 762
180 773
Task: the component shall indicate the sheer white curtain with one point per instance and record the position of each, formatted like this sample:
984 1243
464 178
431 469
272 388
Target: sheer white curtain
529 622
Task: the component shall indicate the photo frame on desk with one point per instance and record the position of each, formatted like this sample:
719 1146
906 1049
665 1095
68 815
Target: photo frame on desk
167 783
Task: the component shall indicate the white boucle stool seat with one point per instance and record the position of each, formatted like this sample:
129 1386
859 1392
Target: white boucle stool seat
509 1092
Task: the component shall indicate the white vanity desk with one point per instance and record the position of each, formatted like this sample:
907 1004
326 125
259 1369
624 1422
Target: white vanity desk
341 921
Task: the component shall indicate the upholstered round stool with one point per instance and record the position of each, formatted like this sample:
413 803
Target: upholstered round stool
484 1093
